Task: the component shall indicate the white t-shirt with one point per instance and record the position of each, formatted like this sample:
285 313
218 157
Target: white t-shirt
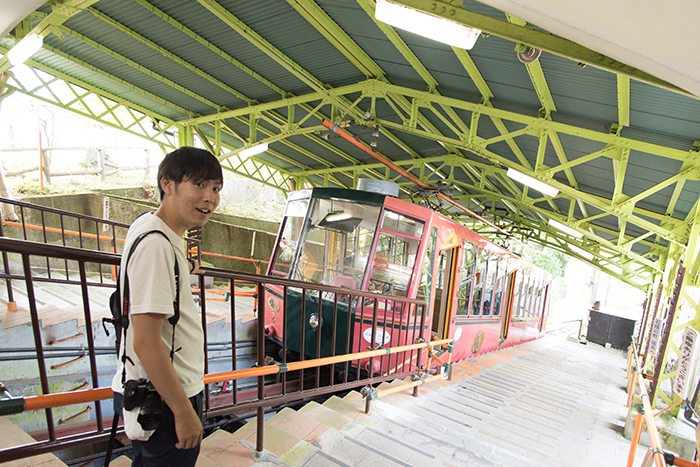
152 290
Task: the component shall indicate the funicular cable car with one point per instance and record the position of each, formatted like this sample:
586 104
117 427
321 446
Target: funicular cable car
477 292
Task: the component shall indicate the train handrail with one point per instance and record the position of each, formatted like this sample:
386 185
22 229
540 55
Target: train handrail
647 415
17 405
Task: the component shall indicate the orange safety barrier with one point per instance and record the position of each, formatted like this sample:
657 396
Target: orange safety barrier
654 436
120 240
54 230
90 395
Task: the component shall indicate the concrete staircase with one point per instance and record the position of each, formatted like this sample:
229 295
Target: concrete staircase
550 402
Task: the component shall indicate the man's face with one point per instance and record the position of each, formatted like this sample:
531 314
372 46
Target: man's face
190 203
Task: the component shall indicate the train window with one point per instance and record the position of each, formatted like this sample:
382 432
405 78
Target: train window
516 292
395 254
524 295
294 214
531 292
491 274
499 287
479 277
426 277
400 224
466 279
335 241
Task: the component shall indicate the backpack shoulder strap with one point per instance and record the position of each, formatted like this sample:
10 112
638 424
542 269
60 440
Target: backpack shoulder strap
125 302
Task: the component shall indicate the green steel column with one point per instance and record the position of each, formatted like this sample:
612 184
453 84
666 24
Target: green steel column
185 135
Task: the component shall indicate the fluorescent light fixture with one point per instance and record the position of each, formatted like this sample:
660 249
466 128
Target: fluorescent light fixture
565 228
532 183
253 150
24 49
423 24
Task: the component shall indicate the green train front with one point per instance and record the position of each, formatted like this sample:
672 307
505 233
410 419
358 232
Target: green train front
349 239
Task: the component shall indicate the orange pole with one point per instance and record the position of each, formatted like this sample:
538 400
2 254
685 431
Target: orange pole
638 424
437 359
68 232
654 437
684 463
56 400
669 407
401 387
630 392
317 362
89 395
629 360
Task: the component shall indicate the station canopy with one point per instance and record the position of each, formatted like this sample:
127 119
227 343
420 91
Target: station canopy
584 101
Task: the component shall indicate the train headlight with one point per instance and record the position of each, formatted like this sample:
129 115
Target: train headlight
314 321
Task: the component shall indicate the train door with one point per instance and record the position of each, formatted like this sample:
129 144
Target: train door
442 301
508 308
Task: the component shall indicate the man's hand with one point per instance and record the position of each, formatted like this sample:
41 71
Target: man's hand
188 427
155 359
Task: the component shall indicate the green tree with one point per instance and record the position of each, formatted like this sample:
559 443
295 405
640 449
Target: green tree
552 261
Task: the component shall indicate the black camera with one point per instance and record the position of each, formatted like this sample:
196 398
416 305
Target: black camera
141 393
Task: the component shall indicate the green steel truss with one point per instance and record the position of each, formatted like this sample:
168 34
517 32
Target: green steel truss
292 125
483 185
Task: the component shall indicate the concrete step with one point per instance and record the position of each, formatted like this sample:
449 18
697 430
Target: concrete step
121 461
12 436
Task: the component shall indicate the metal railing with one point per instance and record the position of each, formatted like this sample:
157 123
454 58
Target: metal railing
645 414
306 368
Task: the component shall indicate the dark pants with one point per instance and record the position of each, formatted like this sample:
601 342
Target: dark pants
160 450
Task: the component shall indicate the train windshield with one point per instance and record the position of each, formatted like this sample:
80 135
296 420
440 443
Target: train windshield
399 239
334 244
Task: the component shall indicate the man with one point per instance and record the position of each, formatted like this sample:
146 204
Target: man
189 181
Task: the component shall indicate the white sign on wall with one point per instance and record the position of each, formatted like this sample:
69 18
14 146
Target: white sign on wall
656 331
685 361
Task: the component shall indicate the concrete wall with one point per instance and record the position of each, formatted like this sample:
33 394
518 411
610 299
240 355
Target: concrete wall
223 234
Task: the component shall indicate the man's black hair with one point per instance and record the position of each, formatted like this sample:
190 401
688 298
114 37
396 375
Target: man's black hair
188 163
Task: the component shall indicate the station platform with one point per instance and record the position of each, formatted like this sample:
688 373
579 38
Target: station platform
552 402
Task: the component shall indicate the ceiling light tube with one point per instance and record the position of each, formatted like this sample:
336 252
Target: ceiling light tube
24 49
532 183
565 228
253 150
423 24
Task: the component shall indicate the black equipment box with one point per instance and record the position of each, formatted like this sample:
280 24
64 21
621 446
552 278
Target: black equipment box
604 328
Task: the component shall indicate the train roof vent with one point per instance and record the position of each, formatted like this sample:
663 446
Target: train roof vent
378 186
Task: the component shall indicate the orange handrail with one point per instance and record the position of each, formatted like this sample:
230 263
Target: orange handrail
120 240
654 436
55 230
90 395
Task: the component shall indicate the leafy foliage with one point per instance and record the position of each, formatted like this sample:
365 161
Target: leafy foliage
552 261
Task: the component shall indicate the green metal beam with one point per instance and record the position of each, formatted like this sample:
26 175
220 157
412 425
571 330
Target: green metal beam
261 43
80 97
142 68
623 100
166 53
369 7
540 40
539 82
60 12
323 23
